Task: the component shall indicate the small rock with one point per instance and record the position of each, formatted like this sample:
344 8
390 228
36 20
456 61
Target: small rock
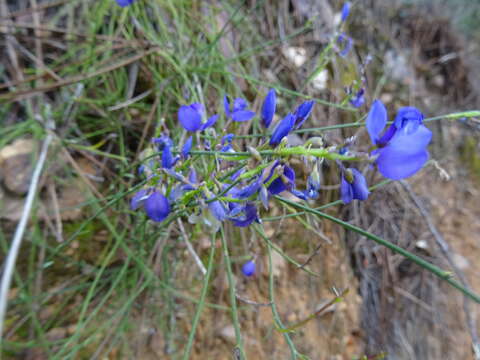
17 172
296 55
320 81
16 165
461 261
228 334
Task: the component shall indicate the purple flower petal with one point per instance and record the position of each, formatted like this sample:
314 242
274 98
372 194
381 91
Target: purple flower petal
300 194
242 115
405 154
282 130
346 191
302 113
248 269
250 189
345 43
227 138
345 11
157 207
138 199
218 210
239 104
162 141
359 186
277 185
358 99
268 108
226 105
192 176
376 120
236 174
408 119
124 3
190 117
210 122
198 108
187 147
251 215
167 157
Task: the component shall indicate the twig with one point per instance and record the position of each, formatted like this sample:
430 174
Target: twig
17 239
315 252
250 302
191 249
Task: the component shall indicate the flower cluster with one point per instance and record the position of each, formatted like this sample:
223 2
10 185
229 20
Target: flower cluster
229 184
232 193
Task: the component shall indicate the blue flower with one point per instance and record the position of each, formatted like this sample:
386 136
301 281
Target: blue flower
249 215
313 185
162 141
345 11
358 99
284 182
344 43
402 148
247 191
248 269
239 111
218 210
302 113
190 116
187 147
124 3
282 130
268 108
157 206
227 139
353 186
227 143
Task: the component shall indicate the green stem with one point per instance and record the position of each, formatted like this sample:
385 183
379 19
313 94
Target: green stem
233 298
201 301
453 116
276 316
444 275
283 152
325 206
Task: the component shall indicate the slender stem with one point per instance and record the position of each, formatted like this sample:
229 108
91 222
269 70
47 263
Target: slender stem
453 116
325 206
283 152
276 316
233 298
201 302
442 274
